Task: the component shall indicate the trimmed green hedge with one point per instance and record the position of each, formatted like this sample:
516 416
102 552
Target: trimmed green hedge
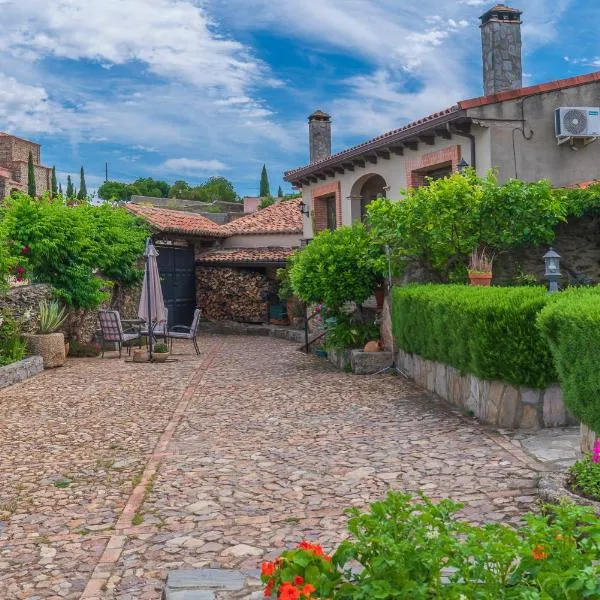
489 332
571 325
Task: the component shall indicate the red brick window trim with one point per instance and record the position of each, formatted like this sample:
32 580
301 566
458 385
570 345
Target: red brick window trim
321 195
417 170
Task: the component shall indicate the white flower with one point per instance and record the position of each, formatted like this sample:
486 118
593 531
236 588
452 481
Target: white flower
27 315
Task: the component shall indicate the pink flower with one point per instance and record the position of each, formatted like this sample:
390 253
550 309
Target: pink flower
25 250
596 452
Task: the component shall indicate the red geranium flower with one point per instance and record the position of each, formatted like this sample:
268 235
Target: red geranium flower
288 592
267 569
269 589
298 580
539 553
307 590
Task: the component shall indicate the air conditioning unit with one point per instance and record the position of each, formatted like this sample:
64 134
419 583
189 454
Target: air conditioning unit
577 122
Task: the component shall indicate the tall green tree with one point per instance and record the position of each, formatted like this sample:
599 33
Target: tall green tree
60 188
70 188
82 187
31 188
265 189
279 192
54 184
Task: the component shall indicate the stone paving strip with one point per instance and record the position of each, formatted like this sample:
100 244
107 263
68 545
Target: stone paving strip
114 474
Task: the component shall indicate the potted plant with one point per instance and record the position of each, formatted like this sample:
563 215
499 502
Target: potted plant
48 343
480 267
160 353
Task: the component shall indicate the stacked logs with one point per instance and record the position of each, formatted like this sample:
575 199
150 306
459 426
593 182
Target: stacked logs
227 294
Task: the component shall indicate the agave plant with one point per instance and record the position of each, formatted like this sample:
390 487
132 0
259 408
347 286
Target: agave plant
52 316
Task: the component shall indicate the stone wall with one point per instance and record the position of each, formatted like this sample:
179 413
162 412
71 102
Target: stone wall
21 304
21 370
492 402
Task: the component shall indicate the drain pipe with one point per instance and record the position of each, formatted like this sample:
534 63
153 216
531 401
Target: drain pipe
469 136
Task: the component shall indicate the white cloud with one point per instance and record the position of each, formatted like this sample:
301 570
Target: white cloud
190 166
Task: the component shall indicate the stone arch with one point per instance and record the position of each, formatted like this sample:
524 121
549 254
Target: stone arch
366 189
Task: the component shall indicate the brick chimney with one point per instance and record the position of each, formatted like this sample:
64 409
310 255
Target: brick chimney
501 40
319 133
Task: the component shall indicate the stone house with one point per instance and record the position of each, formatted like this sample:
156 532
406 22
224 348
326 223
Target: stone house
14 156
510 129
222 268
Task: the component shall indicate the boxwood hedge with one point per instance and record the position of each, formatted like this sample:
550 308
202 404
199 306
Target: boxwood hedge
490 332
571 325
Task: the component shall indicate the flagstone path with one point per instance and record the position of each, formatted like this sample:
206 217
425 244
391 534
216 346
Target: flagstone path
113 473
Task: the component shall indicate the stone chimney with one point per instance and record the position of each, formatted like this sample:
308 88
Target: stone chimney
319 133
501 39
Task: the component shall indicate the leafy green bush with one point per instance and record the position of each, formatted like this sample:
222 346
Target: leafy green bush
350 331
490 332
12 346
411 548
69 247
585 478
571 326
337 267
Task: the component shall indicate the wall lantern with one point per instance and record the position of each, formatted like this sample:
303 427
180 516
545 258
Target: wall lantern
304 208
462 165
552 260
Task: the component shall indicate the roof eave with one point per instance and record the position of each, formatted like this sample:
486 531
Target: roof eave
296 176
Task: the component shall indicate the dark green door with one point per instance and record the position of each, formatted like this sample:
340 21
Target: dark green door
178 277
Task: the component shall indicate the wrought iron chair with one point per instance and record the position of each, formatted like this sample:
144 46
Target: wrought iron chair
160 329
183 332
111 330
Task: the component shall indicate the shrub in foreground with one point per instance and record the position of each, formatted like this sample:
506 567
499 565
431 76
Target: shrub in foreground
412 548
490 332
571 326
585 475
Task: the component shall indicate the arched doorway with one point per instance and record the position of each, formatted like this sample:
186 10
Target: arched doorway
369 188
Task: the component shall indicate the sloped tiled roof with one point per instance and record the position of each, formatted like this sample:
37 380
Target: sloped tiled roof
582 185
177 221
282 217
455 112
245 255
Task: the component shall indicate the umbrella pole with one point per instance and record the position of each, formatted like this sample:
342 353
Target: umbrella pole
149 324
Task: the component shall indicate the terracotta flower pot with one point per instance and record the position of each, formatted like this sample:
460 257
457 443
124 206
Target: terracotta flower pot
140 355
481 279
50 346
160 357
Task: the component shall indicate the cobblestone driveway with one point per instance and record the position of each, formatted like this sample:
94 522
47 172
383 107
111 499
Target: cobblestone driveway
113 473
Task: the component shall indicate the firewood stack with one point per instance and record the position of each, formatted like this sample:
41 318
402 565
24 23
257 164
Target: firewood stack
227 294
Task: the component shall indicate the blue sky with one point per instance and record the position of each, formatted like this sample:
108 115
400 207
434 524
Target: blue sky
186 89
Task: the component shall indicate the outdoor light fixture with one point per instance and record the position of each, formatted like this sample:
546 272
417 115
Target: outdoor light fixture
304 208
552 260
462 165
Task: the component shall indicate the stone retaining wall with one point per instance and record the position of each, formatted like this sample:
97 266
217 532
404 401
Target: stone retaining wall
21 370
492 402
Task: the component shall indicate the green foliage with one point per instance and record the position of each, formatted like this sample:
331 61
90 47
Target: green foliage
52 316
153 188
571 325
267 201
442 223
345 331
410 547
585 478
70 188
337 267
265 188
82 195
285 291
31 188
115 191
279 192
160 348
69 247
490 332
12 347
213 189
54 184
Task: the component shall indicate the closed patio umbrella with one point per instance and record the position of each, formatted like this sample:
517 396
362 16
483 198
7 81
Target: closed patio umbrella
152 305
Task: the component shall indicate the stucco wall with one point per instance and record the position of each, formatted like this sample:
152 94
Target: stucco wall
540 157
262 241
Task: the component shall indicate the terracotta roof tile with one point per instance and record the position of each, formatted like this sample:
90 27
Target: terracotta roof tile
177 221
282 217
274 254
584 184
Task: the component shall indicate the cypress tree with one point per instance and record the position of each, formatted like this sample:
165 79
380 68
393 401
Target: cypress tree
265 189
31 189
82 187
60 189
280 192
70 189
54 184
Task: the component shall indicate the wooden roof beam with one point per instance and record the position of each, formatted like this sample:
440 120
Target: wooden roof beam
359 162
348 166
372 158
385 153
428 139
412 145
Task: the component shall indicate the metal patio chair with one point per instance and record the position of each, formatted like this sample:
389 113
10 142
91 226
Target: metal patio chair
183 332
111 330
160 329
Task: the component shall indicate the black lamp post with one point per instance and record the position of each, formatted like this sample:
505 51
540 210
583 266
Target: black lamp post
552 260
304 208
462 165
